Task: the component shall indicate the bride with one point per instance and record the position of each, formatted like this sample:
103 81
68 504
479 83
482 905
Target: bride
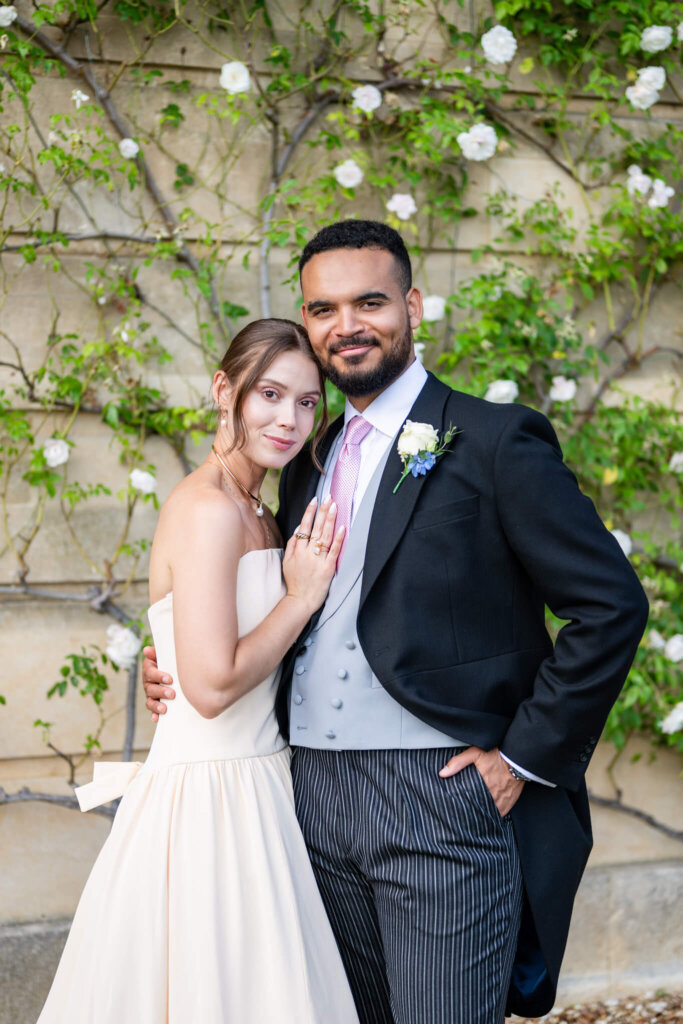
202 907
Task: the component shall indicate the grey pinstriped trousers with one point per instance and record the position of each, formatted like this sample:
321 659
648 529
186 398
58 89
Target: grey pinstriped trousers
421 881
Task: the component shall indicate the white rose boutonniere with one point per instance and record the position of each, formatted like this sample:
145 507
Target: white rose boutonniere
419 448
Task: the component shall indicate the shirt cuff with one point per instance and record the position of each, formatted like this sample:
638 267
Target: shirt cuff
529 775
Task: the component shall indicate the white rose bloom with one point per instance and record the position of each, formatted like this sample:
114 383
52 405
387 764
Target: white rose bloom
348 174
653 77
502 392
676 463
417 437
637 182
403 205
499 45
235 77
624 541
655 640
8 15
563 389
128 148
56 452
679 32
673 649
479 143
674 720
367 98
142 481
79 98
640 97
419 347
123 646
433 308
656 38
661 194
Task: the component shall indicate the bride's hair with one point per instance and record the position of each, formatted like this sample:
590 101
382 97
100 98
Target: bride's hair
250 354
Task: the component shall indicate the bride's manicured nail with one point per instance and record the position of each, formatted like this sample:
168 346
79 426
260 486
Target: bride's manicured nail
333 506
313 501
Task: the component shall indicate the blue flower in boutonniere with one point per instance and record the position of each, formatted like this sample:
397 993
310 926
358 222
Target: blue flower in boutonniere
419 448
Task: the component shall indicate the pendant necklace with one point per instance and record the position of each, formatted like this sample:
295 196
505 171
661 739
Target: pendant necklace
258 500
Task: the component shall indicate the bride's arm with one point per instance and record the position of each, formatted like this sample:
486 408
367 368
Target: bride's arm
217 668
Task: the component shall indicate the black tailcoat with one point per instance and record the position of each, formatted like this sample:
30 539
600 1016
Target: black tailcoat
460 564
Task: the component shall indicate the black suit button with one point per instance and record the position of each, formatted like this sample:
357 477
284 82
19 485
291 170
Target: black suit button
583 757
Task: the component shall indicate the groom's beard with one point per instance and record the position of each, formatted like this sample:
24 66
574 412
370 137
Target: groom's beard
357 383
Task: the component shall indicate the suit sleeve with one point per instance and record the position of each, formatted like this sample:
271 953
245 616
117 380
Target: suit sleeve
584 577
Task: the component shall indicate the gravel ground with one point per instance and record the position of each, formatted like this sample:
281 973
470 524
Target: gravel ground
648 1009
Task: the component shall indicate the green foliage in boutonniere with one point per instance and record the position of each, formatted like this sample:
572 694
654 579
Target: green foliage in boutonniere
419 448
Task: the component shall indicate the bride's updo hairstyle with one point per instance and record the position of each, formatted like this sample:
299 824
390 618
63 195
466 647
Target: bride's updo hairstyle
250 354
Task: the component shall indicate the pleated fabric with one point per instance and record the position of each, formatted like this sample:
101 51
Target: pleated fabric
421 880
202 907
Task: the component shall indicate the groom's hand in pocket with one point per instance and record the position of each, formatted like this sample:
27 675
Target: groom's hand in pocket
504 789
157 684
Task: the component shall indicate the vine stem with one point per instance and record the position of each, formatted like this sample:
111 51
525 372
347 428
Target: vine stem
635 812
279 167
24 795
104 99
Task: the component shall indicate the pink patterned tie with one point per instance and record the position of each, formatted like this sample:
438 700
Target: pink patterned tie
345 476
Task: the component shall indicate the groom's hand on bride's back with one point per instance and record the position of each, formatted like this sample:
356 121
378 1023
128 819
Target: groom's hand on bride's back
157 684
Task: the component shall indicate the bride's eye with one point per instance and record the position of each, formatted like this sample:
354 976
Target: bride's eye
269 393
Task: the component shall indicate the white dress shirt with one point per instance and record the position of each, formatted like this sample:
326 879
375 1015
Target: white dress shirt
387 414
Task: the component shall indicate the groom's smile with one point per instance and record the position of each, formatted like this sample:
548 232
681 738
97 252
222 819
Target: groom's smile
359 320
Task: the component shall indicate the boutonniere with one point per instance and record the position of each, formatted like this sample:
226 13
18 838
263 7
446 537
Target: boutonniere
419 448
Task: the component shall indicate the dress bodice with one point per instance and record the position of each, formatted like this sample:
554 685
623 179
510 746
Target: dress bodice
246 729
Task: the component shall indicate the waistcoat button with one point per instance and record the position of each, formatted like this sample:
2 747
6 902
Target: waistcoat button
342 673
337 702
298 699
331 735
300 669
350 646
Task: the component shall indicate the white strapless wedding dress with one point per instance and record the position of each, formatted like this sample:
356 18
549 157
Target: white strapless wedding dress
202 907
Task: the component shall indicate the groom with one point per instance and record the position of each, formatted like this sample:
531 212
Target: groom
440 741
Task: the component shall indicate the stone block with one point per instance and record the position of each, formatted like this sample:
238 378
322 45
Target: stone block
29 955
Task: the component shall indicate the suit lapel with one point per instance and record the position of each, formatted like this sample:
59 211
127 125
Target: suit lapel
392 512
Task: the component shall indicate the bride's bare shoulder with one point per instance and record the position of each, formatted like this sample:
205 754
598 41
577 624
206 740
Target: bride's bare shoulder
196 502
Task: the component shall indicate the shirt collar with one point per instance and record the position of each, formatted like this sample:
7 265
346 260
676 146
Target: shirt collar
388 411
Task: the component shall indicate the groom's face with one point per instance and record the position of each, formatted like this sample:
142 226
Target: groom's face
359 319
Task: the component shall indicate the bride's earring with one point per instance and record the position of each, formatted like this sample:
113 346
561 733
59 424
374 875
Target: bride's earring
224 421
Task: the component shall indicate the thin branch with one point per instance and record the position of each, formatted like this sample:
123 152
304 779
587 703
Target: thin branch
279 168
103 97
24 795
634 812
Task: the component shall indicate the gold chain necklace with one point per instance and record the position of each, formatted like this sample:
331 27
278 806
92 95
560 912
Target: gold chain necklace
258 500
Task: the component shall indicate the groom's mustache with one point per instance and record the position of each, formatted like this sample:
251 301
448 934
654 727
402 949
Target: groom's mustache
356 342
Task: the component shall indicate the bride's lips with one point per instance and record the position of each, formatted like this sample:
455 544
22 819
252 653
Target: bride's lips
281 443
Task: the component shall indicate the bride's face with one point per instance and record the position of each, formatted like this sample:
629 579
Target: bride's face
279 411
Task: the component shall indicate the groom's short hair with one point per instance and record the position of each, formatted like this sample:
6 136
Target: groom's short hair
361 234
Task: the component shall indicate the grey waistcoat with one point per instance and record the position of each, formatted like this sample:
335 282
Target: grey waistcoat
336 702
